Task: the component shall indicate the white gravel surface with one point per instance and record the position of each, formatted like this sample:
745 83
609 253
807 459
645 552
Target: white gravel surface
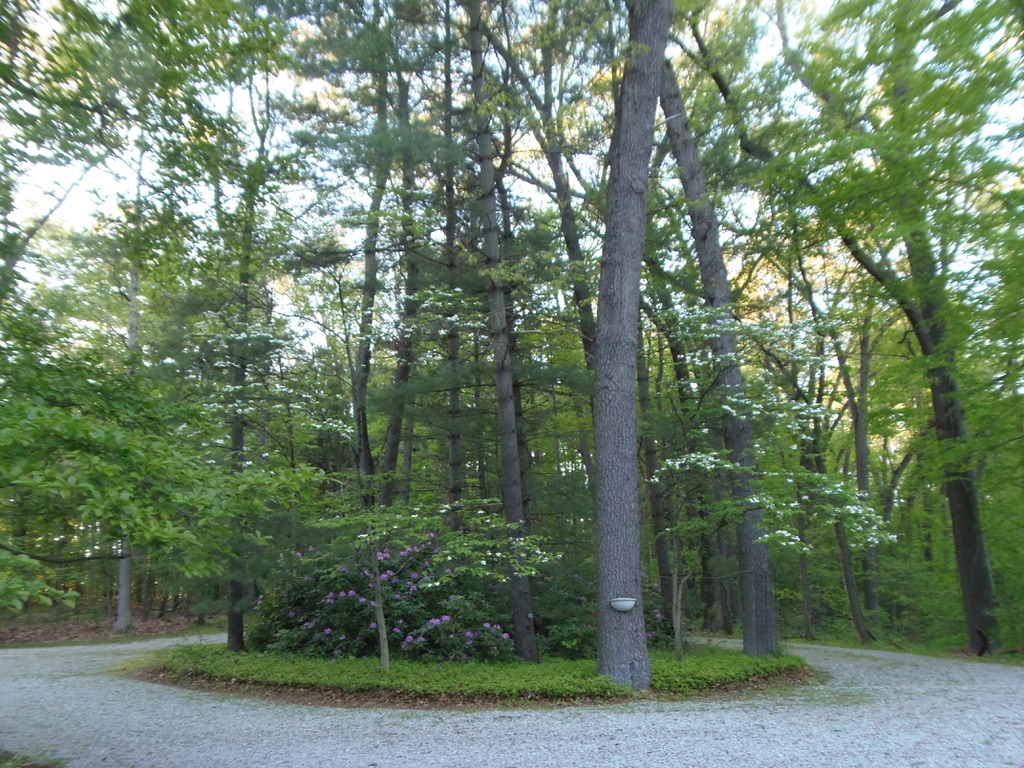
877 709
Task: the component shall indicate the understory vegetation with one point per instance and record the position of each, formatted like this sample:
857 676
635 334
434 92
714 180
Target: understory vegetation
300 307
703 668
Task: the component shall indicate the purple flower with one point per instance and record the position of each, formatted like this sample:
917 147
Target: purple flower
327 631
291 614
435 622
469 634
504 635
351 593
362 599
373 625
420 639
446 618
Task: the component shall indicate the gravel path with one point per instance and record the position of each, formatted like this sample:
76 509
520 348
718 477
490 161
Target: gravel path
878 709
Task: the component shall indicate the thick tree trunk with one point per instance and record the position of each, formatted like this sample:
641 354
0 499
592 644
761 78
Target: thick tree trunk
622 647
759 627
511 473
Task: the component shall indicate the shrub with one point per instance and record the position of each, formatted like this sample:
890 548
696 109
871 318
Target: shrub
327 610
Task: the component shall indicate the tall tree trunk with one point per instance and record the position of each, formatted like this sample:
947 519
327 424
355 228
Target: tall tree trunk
453 362
387 466
922 299
655 497
760 635
124 590
511 473
856 398
622 647
805 578
850 582
364 346
723 586
959 483
124 571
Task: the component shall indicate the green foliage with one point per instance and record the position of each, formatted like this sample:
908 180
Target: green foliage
708 667
562 680
705 669
8 760
435 609
21 583
92 455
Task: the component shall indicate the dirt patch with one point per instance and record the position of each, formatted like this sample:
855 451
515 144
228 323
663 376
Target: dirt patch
33 630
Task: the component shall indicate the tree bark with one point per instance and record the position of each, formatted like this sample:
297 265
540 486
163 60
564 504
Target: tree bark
759 626
511 472
621 646
453 362
655 498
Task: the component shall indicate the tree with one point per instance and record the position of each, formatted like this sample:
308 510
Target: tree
501 342
622 648
760 635
909 249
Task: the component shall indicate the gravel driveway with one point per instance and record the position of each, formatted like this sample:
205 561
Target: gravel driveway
878 709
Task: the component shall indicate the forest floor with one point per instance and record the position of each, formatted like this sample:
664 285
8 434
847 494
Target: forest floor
59 627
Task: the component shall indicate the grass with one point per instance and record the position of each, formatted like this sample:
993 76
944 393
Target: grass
706 668
7 760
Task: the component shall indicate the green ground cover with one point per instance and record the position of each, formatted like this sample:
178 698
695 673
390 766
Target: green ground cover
704 668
